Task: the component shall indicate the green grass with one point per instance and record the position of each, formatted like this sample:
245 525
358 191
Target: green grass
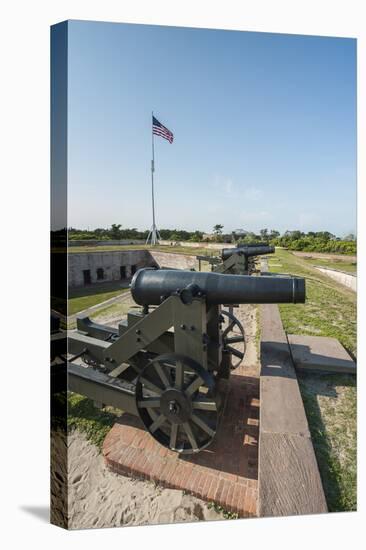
220 510
330 404
118 309
330 308
84 297
93 422
329 400
340 265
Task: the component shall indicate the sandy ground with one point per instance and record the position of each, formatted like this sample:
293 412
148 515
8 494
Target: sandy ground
99 498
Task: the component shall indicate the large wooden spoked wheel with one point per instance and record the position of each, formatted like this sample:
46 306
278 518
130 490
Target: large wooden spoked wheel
233 333
175 399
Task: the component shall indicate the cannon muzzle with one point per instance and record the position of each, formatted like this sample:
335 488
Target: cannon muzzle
153 286
247 251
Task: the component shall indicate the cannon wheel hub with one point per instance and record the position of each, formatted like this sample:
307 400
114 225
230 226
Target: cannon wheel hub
176 402
176 406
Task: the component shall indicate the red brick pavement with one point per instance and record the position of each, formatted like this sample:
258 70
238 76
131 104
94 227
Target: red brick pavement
226 472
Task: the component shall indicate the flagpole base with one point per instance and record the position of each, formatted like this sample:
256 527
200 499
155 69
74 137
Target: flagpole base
153 236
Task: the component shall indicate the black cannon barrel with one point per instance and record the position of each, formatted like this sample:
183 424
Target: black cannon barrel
247 251
152 286
252 244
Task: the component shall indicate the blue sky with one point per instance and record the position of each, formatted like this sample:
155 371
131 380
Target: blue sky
264 128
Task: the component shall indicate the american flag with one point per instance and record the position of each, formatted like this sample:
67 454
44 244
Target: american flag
161 131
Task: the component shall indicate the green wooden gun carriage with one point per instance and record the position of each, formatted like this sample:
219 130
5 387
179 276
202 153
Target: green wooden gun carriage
168 362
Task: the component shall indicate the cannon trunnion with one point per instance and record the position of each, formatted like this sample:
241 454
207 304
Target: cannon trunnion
168 363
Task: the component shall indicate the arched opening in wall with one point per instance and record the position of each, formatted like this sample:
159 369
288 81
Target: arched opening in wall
100 274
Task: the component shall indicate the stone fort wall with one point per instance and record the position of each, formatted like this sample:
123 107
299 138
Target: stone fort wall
99 267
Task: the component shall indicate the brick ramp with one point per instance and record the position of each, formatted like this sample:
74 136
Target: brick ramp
226 472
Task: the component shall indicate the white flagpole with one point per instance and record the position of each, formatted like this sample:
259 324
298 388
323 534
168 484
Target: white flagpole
153 232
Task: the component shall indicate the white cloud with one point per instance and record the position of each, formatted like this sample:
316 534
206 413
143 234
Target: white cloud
227 187
252 193
223 184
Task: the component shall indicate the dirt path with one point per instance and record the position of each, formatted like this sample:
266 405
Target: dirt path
325 256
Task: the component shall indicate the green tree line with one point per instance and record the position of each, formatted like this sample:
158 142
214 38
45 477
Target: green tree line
312 241
116 232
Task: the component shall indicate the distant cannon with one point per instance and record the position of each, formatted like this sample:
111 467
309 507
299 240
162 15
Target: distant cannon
168 362
247 251
238 260
241 260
